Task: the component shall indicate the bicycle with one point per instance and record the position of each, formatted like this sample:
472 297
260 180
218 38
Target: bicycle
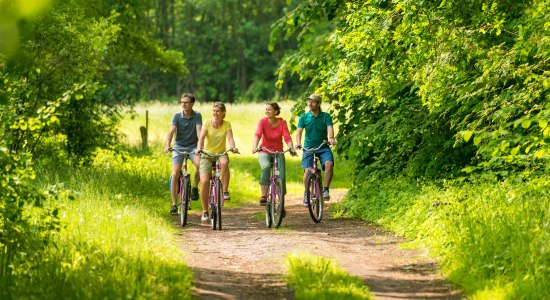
314 187
184 187
215 191
275 204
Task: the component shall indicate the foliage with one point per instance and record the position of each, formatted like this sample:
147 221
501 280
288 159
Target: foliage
24 233
317 277
426 87
55 87
490 238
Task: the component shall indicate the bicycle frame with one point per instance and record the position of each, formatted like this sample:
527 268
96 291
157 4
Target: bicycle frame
215 198
314 186
275 200
184 187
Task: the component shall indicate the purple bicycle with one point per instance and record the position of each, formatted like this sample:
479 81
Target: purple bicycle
184 187
215 194
314 186
275 204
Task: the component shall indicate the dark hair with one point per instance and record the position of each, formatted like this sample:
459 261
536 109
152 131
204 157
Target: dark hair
190 96
275 107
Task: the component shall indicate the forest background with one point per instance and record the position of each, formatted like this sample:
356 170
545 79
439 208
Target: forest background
442 106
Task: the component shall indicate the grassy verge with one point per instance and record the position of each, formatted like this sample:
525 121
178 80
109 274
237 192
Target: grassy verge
491 238
116 240
317 277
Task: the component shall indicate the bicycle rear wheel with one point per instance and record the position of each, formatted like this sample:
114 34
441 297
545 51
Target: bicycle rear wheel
185 192
219 203
314 198
277 203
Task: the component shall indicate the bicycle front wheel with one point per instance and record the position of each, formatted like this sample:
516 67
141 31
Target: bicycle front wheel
219 203
213 198
314 198
268 219
185 192
277 203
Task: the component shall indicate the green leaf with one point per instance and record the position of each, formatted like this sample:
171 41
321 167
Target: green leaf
467 135
543 124
526 123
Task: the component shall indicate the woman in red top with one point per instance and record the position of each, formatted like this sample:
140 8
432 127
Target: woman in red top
272 130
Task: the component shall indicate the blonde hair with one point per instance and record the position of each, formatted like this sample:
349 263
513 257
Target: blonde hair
220 105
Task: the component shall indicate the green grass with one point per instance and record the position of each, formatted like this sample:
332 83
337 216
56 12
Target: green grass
317 278
491 238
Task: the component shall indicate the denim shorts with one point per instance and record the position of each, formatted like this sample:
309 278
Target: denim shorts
324 154
177 159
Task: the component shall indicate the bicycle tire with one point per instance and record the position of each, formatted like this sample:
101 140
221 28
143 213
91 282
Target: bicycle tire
219 203
185 193
314 199
213 217
268 219
277 203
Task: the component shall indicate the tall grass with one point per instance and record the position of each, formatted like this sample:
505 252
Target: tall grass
491 238
117 242
316 277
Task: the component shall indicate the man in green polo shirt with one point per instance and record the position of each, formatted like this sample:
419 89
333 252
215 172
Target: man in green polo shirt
318 126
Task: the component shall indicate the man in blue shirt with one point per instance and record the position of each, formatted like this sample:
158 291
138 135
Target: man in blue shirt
186 124
318 126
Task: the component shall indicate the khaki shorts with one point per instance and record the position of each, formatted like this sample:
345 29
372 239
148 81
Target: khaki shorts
206 163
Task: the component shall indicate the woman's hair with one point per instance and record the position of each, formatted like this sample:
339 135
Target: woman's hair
275 107
220 105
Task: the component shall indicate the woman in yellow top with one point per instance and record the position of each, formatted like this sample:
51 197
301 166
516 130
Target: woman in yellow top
215 131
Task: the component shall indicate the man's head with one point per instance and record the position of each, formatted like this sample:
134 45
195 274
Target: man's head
314 102
187 101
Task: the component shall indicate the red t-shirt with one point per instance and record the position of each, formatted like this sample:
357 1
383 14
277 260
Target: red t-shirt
272 136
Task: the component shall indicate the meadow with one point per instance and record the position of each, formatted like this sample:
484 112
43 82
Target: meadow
117 239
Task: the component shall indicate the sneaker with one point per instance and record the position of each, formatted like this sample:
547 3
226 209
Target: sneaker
204 217
263 201
326 194
194 193
226 196
174 210
305 200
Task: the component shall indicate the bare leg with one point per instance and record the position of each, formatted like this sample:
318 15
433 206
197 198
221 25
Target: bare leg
263 188
205 181
224 164
175 179
328 173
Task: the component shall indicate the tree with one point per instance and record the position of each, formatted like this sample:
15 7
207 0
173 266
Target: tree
429 88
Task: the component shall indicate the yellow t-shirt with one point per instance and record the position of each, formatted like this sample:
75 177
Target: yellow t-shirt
215 137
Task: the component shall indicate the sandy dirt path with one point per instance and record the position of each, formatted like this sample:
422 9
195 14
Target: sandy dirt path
245 259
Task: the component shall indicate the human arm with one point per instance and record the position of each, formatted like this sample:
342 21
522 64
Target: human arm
169 137
331 139
200 143
299 137
288 138
255 142
230 140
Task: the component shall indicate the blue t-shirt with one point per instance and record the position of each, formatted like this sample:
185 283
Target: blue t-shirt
316 128
186 129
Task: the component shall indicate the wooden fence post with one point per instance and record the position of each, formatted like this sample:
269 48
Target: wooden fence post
144 131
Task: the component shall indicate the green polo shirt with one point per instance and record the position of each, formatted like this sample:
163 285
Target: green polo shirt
316 128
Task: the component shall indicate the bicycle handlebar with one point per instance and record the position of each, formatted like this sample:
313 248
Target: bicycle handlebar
218 155
325 142
178 152
272 152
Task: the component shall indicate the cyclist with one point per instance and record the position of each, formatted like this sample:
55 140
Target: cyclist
215 132
318 125
186 124
272 130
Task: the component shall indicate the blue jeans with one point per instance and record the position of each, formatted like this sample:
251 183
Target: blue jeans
324 154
